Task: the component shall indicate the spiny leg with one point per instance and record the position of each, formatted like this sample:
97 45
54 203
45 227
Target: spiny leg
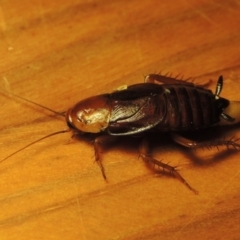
145 155
152 78
98 143
208 144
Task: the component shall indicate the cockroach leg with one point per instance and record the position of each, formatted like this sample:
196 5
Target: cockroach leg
208 144
152 78
144 151
99 142
184 141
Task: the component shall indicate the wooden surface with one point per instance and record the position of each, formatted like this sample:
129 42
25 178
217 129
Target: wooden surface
59 52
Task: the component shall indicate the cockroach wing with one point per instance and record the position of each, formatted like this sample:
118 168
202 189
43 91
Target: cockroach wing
136 109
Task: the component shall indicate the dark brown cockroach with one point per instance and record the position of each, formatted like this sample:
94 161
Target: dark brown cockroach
174 106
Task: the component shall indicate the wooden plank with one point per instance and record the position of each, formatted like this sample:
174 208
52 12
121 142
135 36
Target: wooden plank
59 52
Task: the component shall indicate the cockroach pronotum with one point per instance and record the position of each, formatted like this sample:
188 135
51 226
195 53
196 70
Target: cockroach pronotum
160 104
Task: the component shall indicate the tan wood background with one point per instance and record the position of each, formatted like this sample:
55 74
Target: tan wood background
59 52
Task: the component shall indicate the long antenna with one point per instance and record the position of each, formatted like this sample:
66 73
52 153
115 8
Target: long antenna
38 140
27 100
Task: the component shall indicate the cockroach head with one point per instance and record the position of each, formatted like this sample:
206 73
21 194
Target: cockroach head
89 115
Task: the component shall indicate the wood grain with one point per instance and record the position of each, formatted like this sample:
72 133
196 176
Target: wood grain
59 52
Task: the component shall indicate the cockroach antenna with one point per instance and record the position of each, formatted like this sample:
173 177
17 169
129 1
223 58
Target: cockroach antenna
32 143
42 138
37 104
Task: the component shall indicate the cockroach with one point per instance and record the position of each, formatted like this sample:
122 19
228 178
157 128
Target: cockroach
160 104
